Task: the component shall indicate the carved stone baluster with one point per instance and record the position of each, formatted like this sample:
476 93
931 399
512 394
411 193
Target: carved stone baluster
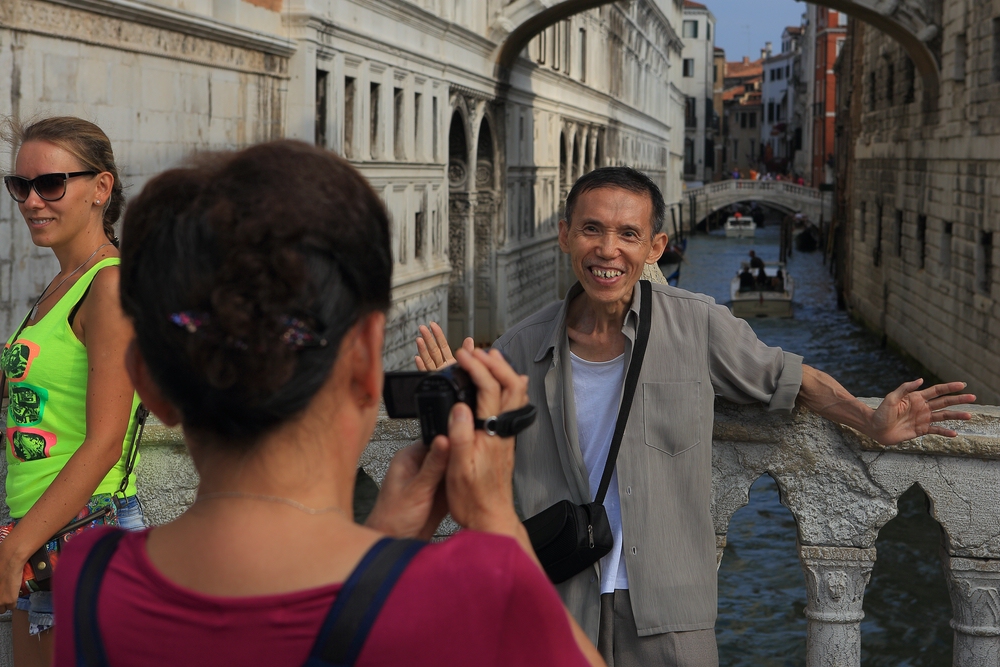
975 605
836 578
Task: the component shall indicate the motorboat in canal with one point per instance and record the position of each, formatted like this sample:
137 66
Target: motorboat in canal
770 295
740 227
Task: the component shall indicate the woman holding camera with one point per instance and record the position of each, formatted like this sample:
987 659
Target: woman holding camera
71 404
258 283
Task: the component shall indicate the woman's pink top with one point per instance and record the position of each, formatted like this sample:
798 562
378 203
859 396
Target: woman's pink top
475 599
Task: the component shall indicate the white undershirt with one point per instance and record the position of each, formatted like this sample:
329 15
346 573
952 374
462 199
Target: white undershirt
597 388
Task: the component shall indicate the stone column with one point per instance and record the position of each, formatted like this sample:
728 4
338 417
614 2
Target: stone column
975 605
836 578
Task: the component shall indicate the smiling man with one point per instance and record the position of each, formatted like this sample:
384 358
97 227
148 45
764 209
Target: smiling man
653 599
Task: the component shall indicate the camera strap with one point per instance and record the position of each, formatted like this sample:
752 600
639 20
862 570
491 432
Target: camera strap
510 423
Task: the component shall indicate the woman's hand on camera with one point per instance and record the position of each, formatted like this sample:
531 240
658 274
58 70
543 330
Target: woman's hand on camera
481 467
433 350
412 502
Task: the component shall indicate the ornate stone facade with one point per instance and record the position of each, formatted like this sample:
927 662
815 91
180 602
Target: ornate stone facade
472 160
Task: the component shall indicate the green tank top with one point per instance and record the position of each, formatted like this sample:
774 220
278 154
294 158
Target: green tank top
46 369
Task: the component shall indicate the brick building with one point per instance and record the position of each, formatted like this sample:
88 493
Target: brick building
921 203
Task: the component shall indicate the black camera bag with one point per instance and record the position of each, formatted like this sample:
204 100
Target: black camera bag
568 538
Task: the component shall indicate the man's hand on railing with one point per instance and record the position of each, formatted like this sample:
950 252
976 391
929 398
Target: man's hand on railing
908 412
433 350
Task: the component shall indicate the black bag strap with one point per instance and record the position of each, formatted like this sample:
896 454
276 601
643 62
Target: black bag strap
141 413
89 645
631 380
340 639
353 613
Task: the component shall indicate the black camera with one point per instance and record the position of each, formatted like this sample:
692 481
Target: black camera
428 396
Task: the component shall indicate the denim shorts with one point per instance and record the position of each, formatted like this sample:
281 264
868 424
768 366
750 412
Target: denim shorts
39 604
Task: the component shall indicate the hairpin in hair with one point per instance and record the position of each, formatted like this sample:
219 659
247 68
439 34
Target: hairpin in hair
298 334
189 320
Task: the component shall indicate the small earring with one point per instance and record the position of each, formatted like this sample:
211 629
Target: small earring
97 201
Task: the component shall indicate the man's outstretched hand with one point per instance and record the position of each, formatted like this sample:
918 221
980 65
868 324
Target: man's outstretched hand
433 351
910 412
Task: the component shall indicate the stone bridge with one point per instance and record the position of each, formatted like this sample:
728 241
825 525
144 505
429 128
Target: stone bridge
782 195
915 24
841 488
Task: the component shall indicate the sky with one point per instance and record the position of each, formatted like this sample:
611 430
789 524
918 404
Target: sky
742 26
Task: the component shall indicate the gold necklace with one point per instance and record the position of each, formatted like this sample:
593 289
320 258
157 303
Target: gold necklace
46 294
270 499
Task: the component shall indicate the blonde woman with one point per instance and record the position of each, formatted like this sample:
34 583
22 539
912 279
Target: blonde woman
71 407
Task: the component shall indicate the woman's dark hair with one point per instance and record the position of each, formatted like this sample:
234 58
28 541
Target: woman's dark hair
625 178
228 262
84 141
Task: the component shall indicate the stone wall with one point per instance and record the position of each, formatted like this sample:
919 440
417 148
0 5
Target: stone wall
161 84
924 198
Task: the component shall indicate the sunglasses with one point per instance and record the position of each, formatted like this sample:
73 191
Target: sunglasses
50 187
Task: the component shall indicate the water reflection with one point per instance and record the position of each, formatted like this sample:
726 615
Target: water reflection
907 606
761 585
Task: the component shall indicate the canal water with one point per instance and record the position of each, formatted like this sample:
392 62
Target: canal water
761 585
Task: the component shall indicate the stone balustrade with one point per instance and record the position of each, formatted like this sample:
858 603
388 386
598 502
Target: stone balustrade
784 195
840 486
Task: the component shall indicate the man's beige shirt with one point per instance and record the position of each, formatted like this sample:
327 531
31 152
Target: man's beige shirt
697 350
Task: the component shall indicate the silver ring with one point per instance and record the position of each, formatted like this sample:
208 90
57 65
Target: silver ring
490 425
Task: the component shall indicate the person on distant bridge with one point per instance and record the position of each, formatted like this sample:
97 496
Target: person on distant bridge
653 599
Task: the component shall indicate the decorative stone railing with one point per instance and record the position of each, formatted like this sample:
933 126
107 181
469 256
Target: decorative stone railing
840 486
783 194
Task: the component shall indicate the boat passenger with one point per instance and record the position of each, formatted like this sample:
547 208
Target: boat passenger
747 282
763 281
755 261
778 282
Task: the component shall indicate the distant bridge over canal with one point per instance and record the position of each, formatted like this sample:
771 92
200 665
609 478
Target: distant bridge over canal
781 195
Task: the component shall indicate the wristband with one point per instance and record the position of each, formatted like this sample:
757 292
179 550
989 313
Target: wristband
510 423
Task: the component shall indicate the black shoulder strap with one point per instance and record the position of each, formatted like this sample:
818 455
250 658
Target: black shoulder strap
141 413
341 636
343 633
89 645
83 297
76 306
631 380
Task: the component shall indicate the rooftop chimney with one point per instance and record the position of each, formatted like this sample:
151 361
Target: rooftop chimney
746 60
